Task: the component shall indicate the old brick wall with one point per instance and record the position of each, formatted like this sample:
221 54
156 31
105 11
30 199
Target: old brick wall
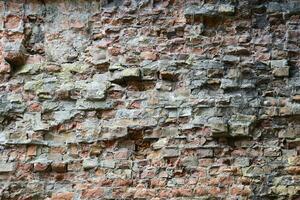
149 99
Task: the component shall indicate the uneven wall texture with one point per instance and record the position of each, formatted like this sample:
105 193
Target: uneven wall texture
149 99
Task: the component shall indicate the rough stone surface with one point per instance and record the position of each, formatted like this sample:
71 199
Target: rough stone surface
149 99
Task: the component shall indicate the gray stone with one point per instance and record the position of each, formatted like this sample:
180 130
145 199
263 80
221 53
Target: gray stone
32 85
31 68
231 59
15 53
15 98
205 153
275 7
256 171
209 10
205 10
290 132
63 116
90 128
272 152
168 152
226 9
49 106
98 55
161 143
218 126
129 113
241 162
126 74
7 167
208 64
35 121
190 161
116 67
67 51
169 132
185 112
291 43
82 104
74 67
293 7
96 90
113 132
280 68
237 50
149 72
2 136
90 163
4 104
241 125
110 164
229 84
164 86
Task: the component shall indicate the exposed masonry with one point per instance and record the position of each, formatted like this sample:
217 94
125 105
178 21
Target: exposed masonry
150 99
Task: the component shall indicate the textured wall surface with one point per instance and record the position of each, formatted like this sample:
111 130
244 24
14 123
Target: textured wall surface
149 99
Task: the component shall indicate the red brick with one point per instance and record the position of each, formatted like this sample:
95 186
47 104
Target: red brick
32 150
59 167
35 107
4 68
240 190
121 182
63 196
295 170
201 191
148 55
216 191
12 22
144 193
165 194
93 193
41 167
157 182
183 192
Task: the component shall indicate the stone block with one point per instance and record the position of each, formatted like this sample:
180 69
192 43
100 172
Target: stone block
161 143
241 125
113 132
205 153
168 152
228 84
209 10
83 104
126 75
7 167
241 162
190 161
59 167
96 90
15 53
90 163
110 164
63 196
237 51
218 126
280 68
41 166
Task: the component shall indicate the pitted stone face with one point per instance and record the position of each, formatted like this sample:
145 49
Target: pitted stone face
140 99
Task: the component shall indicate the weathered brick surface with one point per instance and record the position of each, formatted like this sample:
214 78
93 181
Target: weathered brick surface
149 99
